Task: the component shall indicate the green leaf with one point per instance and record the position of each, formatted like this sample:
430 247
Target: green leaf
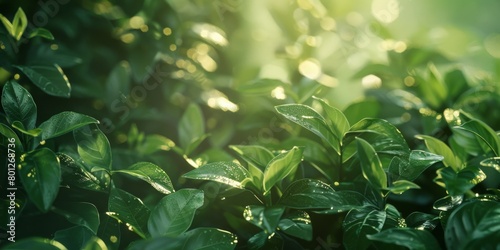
37 243
79 213
401 186
478 133
438 147
297 224
493 162
310 120
419 161
281 166
260 87
74 237
317 195
357 111
175 212
198 238
155 143
40 175
358 224
191 126
335 119
461 182
432 90
95 244
118 83
253 154
229 173
370 164
50 79
264 241
20 127
8 25
63 123
152 174
41 32
266 218
7 134
19 24
448 202
130 210
93 147
456 83
75 174
473 224
109 232
18 105
410 238
422 221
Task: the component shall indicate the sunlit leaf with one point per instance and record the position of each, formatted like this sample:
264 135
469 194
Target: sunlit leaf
438 147
93 147
75 174
335 119
130 210
370 164
229 173
41 32
281 166
491 162
191 126
401 186
152 174
95 244
266 218
19 24
257 155
297 224
357 111
476 132
461 182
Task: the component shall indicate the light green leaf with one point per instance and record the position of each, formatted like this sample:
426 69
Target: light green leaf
7 134
20 127
438 147
191 126
401 186
175 212
41 32
19 24
370 164
281 166
253 154
37 243
297 224
7 24
63 123
335 119
130 210
18 105
266 218
358 224
40 175
95 244
229 173
260 87
357 111
152 174
50 79
410 238
79 213
155 143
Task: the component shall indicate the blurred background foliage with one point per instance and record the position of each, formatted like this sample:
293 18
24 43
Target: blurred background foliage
137 65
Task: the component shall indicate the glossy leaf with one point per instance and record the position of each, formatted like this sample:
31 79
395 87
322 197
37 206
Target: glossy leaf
18 105
410 238
63 123
493 162
317 195
40 175
371 165
8 133
152 174
229 173
75 174
79 213
401 186
422 221
448 202
335 119
281 166
473 224
358 224
432 90
419 161
198 238
93 147
266 218
264 241
461 182
297 224
20 127
310 120
191 125
256 155
19 24
175 212
438 147
74 237
482 134
130 210
50 79
41 32
37 243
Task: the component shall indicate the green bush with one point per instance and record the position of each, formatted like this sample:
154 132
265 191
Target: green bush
191 125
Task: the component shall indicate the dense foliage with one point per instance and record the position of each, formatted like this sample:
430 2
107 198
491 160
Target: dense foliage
179 125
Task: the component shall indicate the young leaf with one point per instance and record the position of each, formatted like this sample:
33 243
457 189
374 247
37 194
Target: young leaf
198 238
191 126
461 182
79 213
40 175
281 166
310 120
20 127
19 105
63 123
130 210
253 154
335 119
229 173
438 147
50 79
358 224
410 238
7 24
474 224
41 32
93 147
155 143
266 218
19 24
297 224
399 187
35 243
370 164
152 174
175 212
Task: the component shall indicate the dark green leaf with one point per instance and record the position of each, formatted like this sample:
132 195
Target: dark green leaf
7 134
310 120
95 244
109 232
370 164
448 202
315 194
297 224
229 173
263 241
478 134
152 174
335 119
281 166
358 224
191 126
472 224
422 221
50 79
40 175
410 238
198 238
118 83
266 218
75 174
461 182
492 162
74 237
41 32
93 147
18 105
418 163
175 212
79 213
130 210
37 243
155 143
63 123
